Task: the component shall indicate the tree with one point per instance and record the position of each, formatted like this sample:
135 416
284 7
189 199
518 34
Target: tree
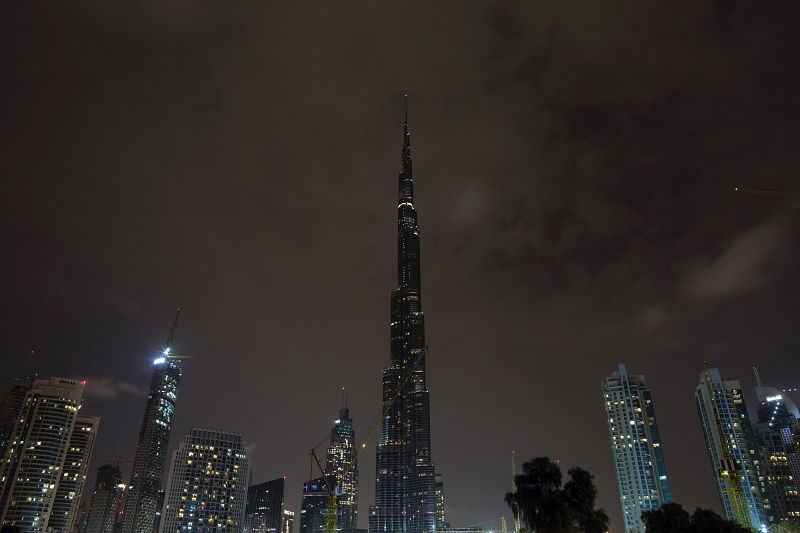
544 506
672 518
707 521
792 526
669 518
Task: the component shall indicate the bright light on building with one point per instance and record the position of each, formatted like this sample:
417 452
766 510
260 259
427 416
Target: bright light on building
160 361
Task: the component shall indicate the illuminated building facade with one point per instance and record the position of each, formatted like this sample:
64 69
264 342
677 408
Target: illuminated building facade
153 446
106 499
73 475
264 509
341 462
441 522
37 449
636 447
10 407
207 488
315 503
778 436
287 521
725 408
405 495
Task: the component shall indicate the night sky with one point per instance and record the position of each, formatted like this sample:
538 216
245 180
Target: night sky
574 167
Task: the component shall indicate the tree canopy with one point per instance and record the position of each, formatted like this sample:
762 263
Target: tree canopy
544 505
673 518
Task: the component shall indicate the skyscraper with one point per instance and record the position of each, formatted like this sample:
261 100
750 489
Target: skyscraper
341 462
778 436
732 449
10 407
287 521
106 498
315 503
36 451
441 521
636 447
153 446
73 475
207 488
405 500
264 508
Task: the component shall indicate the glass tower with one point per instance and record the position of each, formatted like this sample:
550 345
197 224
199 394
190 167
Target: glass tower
405 500
778 435
104 505
636 446
441 521
722 411
315 503
37 449
73 475
341 462
264 509
151 451
207 489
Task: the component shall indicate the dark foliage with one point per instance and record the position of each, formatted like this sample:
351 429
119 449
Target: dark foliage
545 506
672 518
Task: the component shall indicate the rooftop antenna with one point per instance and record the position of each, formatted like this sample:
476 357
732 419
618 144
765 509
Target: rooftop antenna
344 398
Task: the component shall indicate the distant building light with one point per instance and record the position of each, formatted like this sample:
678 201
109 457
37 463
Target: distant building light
160 361
774 398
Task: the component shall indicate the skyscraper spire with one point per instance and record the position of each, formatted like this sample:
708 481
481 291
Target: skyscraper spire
405 486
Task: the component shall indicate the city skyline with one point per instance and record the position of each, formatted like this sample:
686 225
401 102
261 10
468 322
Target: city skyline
576 172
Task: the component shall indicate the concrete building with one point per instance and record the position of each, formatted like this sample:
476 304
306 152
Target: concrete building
207 488
73 475
636 447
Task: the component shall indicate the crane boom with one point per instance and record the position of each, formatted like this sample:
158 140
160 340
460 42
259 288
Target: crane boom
765 192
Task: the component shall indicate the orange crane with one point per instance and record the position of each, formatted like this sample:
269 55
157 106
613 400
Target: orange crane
728 469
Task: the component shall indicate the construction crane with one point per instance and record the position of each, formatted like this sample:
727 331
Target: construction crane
514 509
765 192
728 469
331 512
169 345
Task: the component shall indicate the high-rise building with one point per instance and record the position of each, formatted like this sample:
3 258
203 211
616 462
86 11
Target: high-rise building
405 494
162 494
636 447
73 476
141 499
732 450
10 407
207 488
778 436
106 499
314 505
441 522
264 508
287 521
37 449
341 462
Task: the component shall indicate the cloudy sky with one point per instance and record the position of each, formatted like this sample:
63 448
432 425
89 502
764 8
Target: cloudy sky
574 164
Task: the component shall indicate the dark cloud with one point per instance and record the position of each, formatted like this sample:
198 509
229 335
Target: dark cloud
575 166
109 388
